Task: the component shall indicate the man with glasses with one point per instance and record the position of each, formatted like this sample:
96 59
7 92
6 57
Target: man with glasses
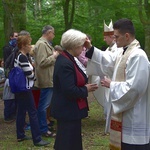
45 57
129 97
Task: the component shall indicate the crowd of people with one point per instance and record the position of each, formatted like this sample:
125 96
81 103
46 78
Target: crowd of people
63 75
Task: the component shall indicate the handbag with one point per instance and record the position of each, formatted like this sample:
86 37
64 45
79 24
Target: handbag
7 94
17 79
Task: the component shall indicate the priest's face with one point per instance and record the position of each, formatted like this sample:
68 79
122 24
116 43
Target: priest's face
109 39
120 38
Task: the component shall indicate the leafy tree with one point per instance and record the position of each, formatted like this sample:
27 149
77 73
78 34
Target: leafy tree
14 16
68 11
144 14
1 28
36 9
85 15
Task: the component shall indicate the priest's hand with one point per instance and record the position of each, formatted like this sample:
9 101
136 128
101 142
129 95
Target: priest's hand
105 82
87 44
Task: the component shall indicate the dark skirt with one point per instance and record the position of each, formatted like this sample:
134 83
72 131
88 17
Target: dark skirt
68 135
125 146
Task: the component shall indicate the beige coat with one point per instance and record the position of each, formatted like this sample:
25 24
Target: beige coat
44 63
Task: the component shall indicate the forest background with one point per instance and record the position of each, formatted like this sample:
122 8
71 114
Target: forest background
85 15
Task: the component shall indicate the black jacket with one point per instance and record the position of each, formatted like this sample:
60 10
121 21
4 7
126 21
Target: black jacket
64 100
7 50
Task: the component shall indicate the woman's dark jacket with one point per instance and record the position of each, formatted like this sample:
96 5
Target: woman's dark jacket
64 100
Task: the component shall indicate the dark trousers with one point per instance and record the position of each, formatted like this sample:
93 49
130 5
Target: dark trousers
10 107
25 103
68 135
125 146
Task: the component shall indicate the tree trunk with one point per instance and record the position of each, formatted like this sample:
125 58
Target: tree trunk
69 11
14 16
37 9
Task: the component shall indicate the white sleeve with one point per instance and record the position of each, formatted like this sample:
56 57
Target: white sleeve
124 95
102 63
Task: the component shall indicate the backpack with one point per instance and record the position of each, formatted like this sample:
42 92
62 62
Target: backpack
17 79
9 62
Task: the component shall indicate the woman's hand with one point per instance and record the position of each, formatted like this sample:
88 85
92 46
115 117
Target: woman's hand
55 53
91 87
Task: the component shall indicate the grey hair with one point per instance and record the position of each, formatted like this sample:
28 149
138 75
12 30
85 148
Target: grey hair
46 28
72 38
24 32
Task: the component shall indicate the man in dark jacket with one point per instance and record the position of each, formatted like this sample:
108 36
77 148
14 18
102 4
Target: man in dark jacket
9 100
7 49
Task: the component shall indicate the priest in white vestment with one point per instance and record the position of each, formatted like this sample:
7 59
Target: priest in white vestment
129 101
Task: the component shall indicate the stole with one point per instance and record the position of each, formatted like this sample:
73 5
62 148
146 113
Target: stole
116 119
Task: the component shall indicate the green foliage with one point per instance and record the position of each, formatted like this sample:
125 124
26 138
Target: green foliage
51 14
88 17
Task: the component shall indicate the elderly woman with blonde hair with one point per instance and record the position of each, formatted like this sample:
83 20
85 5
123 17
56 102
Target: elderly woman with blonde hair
69 102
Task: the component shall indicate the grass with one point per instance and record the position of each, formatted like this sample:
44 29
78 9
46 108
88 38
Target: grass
92 130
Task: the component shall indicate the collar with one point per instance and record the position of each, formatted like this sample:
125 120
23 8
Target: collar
124 49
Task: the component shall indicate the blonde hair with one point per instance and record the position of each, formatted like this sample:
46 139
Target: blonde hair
72 38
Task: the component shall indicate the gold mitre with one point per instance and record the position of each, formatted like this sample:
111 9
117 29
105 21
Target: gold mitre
108 30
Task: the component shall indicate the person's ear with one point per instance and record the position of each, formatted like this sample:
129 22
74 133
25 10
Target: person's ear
127 36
